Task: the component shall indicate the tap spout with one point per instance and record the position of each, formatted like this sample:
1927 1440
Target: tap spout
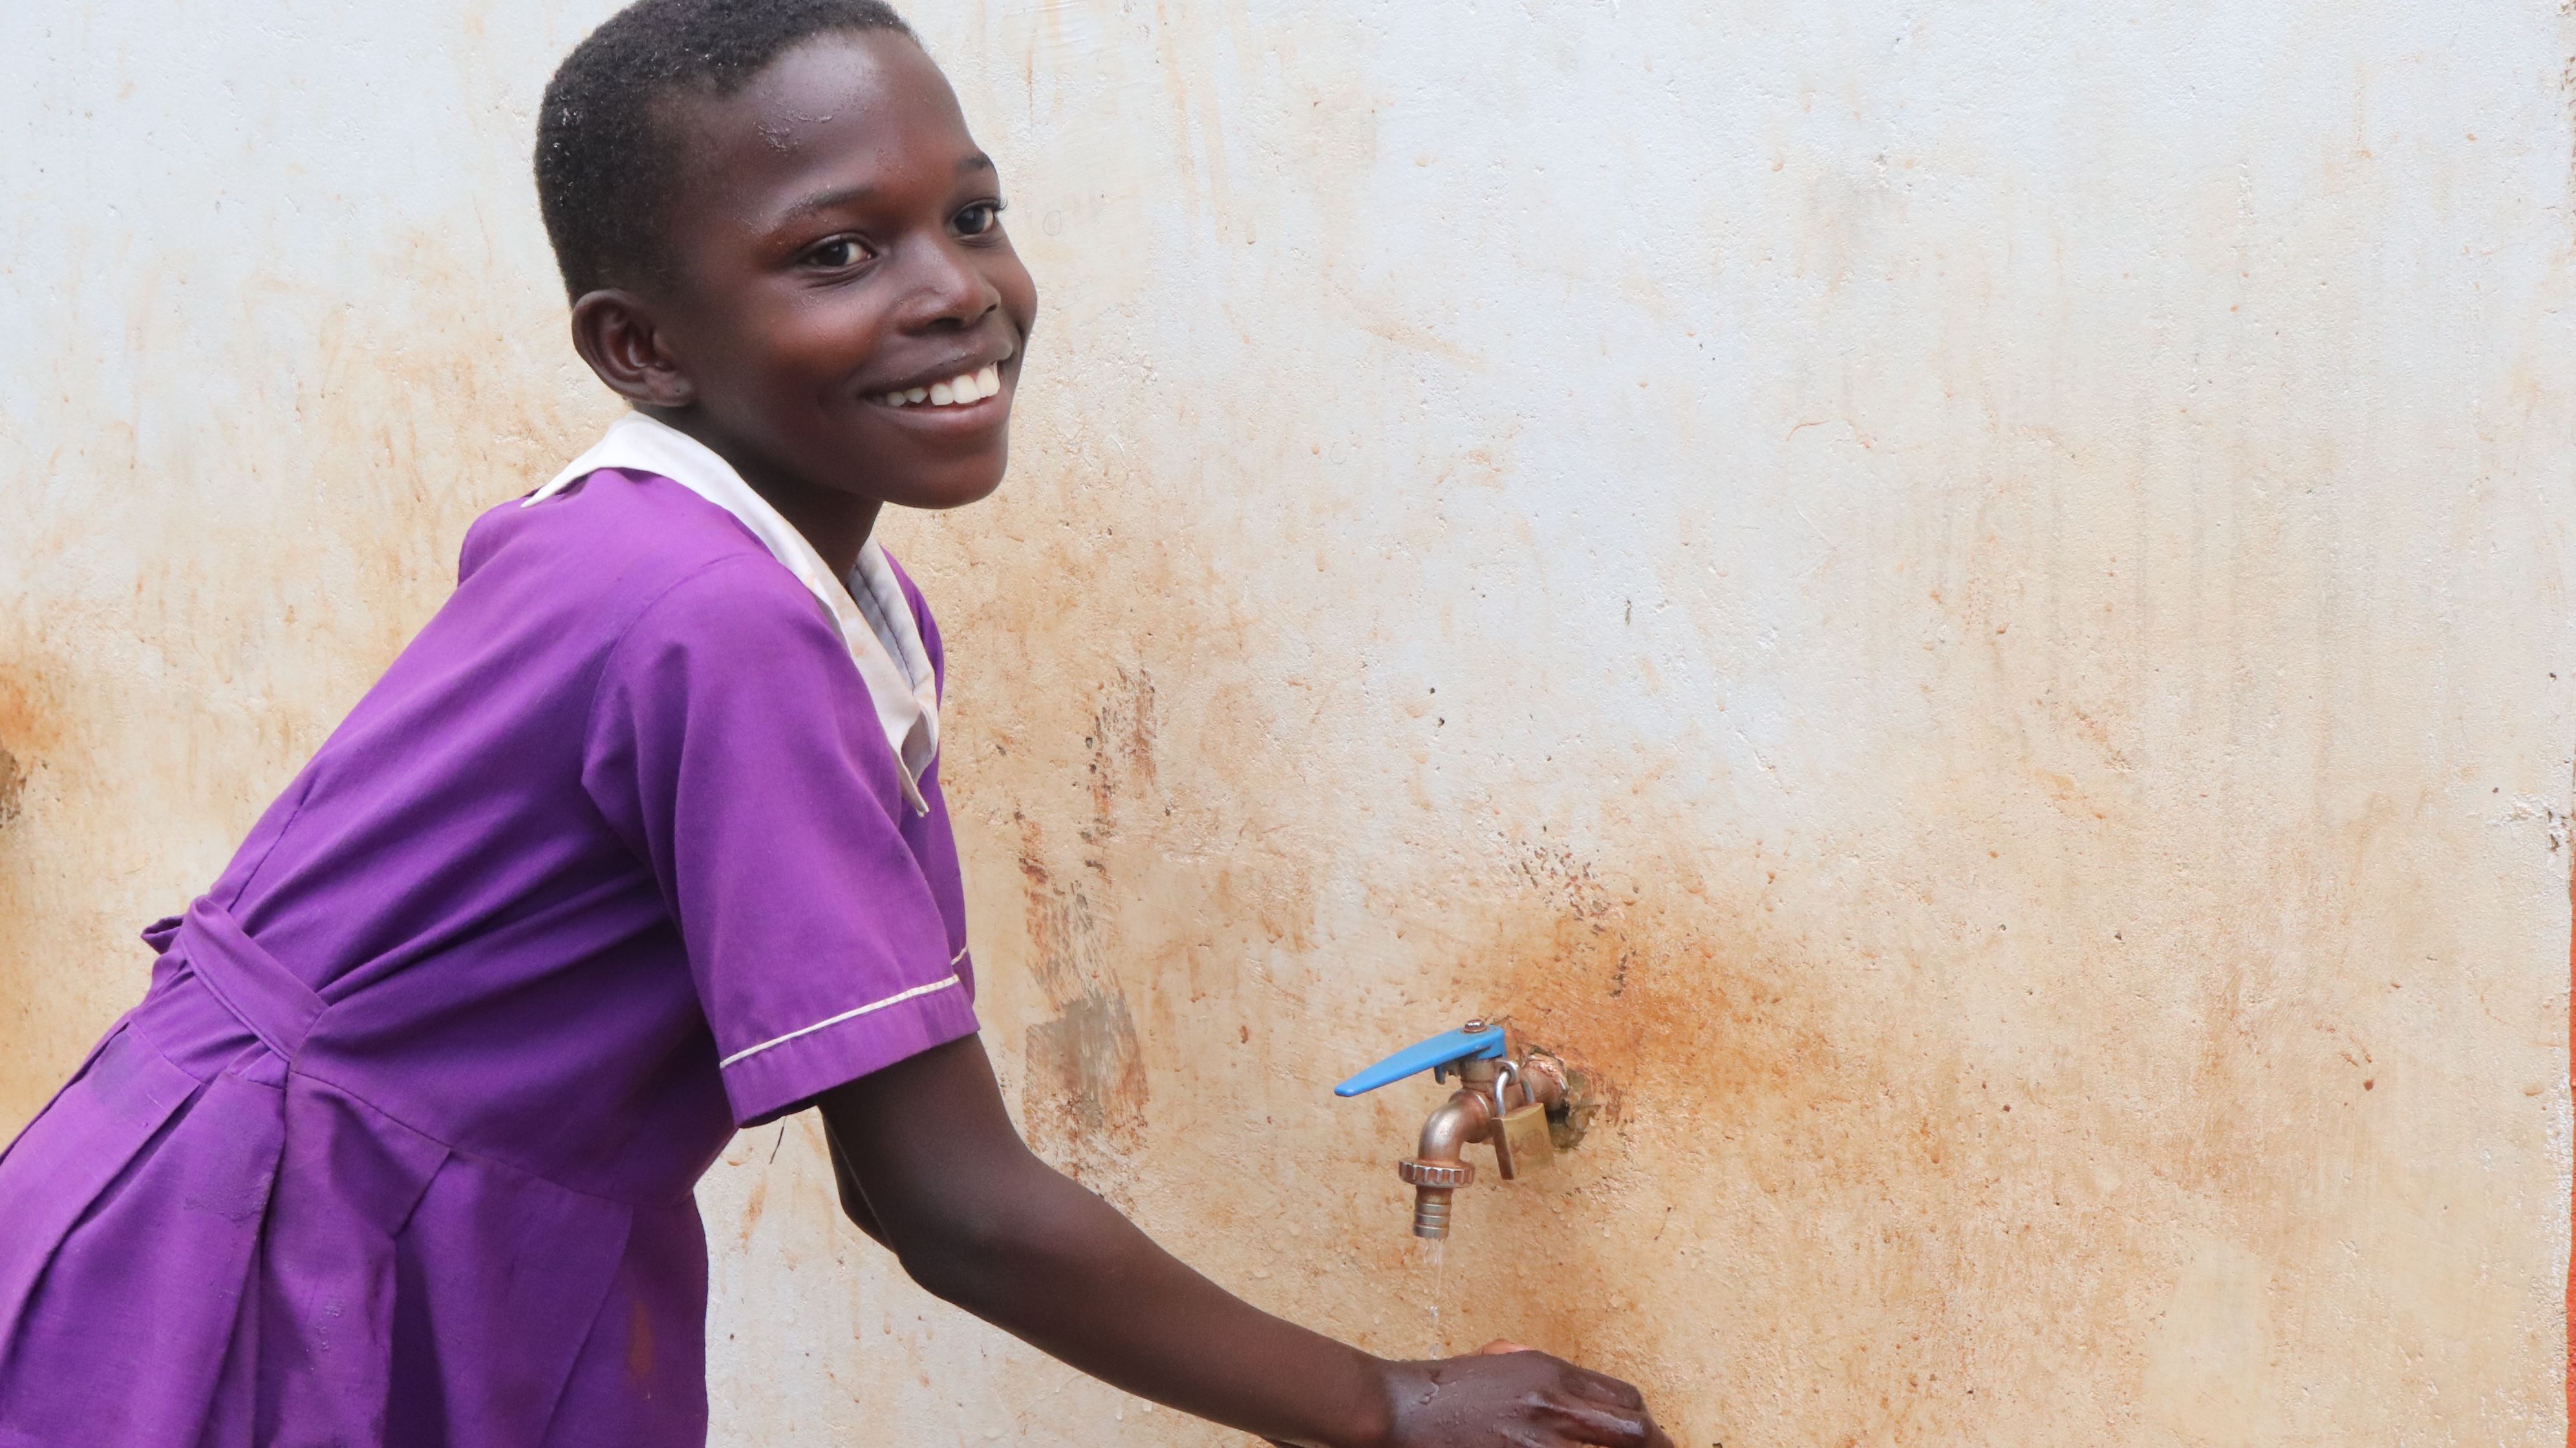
1439 1167
1465 1117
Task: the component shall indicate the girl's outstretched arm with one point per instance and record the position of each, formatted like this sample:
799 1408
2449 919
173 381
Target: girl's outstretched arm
944 1179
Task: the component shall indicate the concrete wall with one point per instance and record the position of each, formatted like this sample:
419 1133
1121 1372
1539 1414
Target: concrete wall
1965 604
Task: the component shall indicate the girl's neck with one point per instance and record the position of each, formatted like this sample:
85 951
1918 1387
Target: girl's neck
836 523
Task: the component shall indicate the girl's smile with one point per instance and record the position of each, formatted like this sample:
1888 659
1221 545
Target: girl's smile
949 388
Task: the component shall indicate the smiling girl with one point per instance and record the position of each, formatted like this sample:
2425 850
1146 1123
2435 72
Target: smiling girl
641 841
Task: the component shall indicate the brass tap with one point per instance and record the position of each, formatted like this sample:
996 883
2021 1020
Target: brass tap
1473 1113
1502 1099
1439 1167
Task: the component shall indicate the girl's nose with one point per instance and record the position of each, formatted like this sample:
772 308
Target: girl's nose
949 290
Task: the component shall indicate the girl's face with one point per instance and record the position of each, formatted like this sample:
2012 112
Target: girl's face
845 313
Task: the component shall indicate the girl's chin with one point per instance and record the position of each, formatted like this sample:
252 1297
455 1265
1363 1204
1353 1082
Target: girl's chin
949 489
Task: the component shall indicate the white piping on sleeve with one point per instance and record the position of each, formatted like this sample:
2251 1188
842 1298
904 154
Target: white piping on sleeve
871 1008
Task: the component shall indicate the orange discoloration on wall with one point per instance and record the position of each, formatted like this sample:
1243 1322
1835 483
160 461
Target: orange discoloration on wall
1965 610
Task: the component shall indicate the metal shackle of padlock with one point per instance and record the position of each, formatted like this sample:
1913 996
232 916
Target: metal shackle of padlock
1522 1143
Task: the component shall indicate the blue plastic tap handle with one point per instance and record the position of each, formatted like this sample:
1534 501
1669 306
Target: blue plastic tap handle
1437 1054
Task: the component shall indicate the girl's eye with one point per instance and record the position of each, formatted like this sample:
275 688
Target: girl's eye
839 252
979 218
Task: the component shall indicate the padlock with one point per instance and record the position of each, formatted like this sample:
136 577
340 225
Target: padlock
1522 1145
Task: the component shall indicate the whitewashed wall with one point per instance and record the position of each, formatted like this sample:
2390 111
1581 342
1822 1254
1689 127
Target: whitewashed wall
1966 604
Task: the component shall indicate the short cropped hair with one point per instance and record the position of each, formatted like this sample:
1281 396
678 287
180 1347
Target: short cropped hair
606 171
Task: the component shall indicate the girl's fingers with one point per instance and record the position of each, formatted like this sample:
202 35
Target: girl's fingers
1605 1427
1587 1408
1624 1425
1605 1389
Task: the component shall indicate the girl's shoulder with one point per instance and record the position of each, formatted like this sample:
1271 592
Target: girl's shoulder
614 534
590 562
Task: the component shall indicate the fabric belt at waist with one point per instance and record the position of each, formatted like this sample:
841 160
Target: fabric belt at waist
267 998
320 1189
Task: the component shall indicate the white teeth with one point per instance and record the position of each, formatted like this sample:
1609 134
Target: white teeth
958 391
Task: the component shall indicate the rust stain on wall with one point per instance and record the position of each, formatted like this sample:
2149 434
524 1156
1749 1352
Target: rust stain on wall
32 731
31 713
30 727
1980 691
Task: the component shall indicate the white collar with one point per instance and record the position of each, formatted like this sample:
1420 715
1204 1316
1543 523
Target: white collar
869 606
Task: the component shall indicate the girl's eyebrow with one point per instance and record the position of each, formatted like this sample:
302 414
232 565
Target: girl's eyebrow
825 201
847 195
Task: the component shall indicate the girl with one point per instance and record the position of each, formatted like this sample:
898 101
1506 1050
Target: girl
641 841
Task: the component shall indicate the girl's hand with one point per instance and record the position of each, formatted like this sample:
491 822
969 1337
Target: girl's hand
1508 1393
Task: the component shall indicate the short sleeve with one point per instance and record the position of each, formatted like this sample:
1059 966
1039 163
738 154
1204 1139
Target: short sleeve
733 744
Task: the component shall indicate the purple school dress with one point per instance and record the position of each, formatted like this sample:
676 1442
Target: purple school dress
399 1146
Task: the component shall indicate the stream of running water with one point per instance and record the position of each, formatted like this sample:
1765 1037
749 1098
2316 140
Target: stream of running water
1434 1253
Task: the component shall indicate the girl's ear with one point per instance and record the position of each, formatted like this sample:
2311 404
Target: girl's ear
616 333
